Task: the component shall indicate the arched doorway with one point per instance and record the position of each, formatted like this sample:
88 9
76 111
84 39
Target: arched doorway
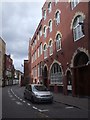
45 76
69 82
80 74
80 59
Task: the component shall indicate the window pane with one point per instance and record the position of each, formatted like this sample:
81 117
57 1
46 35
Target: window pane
57 18
77 27
58 42
56 75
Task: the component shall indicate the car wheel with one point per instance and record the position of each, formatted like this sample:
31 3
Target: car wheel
32 100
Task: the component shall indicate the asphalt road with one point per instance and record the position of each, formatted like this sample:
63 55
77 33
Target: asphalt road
15 106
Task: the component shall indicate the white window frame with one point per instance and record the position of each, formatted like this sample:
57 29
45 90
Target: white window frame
41 49
50 26
77 29
50 47
74 3
45 51
56 74
45 31
58 42
49 7
57 17
40 32
44 14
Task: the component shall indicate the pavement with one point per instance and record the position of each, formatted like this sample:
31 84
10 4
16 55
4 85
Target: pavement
79 102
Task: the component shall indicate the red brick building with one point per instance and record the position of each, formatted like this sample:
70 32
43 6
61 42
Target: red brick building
61 43
8 70
26 72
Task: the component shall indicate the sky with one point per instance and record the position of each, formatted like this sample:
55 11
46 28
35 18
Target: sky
19 22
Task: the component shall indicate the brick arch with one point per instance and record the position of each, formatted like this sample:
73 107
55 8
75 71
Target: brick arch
77 14
45 44
45 65
68 69
76 52
55 61
50 40
58 32
56 73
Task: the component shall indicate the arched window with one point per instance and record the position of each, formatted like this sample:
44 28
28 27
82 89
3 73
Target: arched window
57 17
45 32
50 47
78 27
56 74
50 26
58 41
45 51
49 7
44 14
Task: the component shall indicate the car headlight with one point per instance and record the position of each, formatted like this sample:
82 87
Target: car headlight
37 95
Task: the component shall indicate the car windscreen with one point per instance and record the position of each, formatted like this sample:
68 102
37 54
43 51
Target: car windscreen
40 88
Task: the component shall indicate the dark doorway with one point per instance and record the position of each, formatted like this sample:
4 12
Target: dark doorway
81 74
45 76
80 59
69 83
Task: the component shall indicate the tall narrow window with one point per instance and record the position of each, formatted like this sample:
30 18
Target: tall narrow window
50 26
40 31
45 51
44 14
49 7
45 32
58 42
57 17
78 29
50 47
41 49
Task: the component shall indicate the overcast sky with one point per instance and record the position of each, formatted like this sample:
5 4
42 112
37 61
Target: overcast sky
19 22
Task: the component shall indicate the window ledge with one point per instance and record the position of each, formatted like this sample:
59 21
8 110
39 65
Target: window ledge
51 54
79 38
58 49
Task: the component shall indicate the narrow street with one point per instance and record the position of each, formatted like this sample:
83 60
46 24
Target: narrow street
14 106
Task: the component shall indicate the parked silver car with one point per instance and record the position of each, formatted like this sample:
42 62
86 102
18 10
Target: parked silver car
38 93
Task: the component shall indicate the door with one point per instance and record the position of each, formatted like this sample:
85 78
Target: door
69 83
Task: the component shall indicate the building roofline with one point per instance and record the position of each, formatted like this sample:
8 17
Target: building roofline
36 31
2 40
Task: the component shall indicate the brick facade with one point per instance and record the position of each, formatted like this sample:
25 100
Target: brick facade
62 45
8 70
